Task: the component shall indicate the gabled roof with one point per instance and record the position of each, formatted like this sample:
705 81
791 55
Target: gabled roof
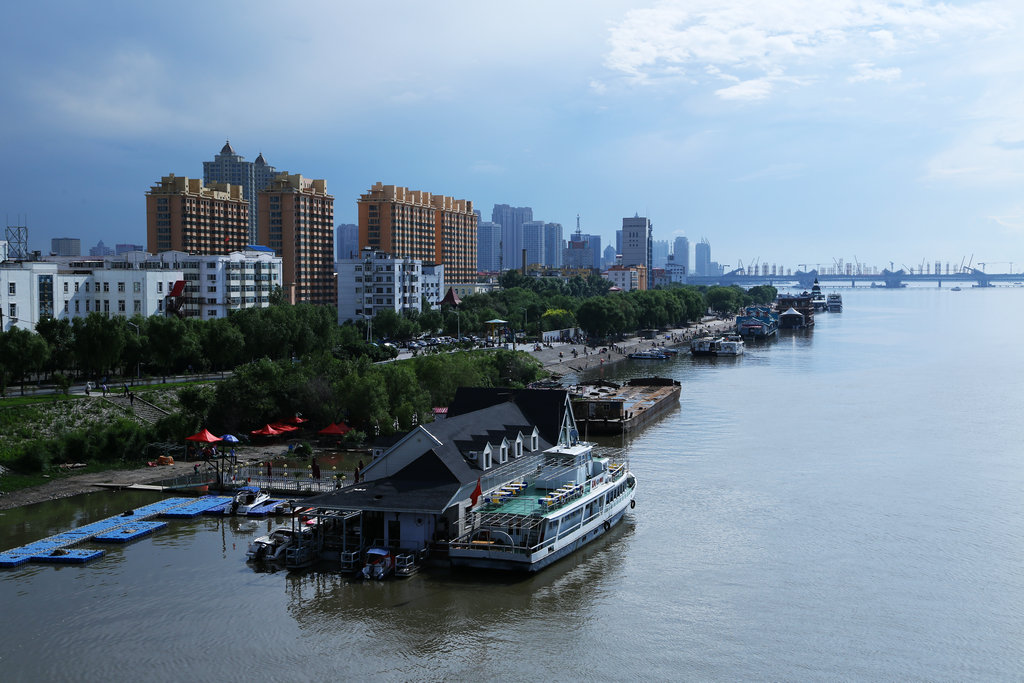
543 408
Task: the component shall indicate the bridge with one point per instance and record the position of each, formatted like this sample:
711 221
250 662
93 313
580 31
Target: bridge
887 278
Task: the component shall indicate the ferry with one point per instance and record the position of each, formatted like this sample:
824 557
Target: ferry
572 498
835 303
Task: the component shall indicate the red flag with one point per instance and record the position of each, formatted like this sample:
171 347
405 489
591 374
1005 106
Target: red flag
477 492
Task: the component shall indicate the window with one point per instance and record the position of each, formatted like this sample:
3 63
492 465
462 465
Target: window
76 305
504 452
65 286
120 306
12 310
12 288
160 286
137 306
120 286
106 286
76 287
137 287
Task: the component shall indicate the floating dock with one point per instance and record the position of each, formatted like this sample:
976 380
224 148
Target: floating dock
120 529
607 408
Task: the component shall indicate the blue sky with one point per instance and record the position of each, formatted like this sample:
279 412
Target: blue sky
788 132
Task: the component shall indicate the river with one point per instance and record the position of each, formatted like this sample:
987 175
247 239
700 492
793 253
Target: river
842 504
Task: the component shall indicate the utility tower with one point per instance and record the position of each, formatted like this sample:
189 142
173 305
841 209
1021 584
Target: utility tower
17 241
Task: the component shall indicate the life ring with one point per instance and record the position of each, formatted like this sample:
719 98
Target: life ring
632 504
607 525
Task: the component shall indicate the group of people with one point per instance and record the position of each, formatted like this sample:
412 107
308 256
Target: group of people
130 395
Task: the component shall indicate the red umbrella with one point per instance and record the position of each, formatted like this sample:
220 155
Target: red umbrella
283 427
334 429
204 437
265 431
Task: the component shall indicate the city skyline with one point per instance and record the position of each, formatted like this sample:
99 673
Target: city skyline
795 133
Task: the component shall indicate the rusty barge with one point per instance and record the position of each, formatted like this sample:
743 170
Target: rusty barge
608 408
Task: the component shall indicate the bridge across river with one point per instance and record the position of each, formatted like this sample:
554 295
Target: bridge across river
886 278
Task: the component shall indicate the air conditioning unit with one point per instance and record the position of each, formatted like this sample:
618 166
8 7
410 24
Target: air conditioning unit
472 456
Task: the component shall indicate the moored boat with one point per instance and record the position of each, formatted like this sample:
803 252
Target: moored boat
729 345
650 354
835 302
571 499
274 546
608 408
818 299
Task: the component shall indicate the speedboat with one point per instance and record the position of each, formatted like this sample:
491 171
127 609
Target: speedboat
380 563
246 499
274 546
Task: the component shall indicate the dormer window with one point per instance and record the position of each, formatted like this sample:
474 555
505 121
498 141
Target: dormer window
519 446
504 451
486 458
534 440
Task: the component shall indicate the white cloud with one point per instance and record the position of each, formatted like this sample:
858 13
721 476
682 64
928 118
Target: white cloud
750 39
756 89
867 71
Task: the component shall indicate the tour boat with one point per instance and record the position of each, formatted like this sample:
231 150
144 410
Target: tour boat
650 354
551 510
835 302
730 345
817 298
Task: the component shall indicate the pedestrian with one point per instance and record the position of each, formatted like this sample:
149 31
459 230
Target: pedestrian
125 389
131 399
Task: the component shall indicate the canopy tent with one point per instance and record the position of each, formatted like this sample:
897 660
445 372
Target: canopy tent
282 427
335 429
294 420
204 437
266 430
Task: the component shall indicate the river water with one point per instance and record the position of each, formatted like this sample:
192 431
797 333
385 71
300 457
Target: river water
843 504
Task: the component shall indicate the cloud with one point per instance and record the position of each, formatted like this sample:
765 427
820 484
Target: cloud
774 172
867 71
750 40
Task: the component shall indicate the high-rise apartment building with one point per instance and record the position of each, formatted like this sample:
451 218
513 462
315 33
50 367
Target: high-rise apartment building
637 244
252 176
681 254
296 220
533 243
488 247
348 240
414 224
594 242
511 219
609 257
184 215
554 245
66 246
659 253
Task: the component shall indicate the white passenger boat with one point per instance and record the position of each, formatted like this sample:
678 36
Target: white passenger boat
552 510
731 345
835 302
817 298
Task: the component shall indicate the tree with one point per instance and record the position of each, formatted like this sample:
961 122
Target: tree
98 343
722 300
21 352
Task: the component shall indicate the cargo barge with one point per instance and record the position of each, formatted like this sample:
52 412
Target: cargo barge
608 408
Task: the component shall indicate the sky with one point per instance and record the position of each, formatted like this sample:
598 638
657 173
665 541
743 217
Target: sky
788 132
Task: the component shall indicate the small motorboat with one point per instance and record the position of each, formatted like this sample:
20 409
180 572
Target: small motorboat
380 563
651 354
274 546
246 499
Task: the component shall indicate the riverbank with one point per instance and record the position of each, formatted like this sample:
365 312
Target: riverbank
558 358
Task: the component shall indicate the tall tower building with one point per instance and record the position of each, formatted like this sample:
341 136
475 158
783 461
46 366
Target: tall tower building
511 219
488 247
681 253
533 243
702 258
659 253
637 244
553 244
414 224
253 176
348 240
184 215
296 219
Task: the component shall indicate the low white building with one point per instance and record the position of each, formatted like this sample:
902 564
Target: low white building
432 284
136 283
377 281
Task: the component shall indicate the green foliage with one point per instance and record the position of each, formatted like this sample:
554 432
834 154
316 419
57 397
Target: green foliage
763 294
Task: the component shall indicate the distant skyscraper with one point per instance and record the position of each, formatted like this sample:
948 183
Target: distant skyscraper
637 244
659 253
125 248
702 258
348 240
101 250
618 241
511 219
533 243
553 244
609 257
681 253
594 242
253 176
414 224
297 222
66 246
488 247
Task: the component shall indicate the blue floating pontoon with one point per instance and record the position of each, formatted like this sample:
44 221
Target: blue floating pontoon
129 532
